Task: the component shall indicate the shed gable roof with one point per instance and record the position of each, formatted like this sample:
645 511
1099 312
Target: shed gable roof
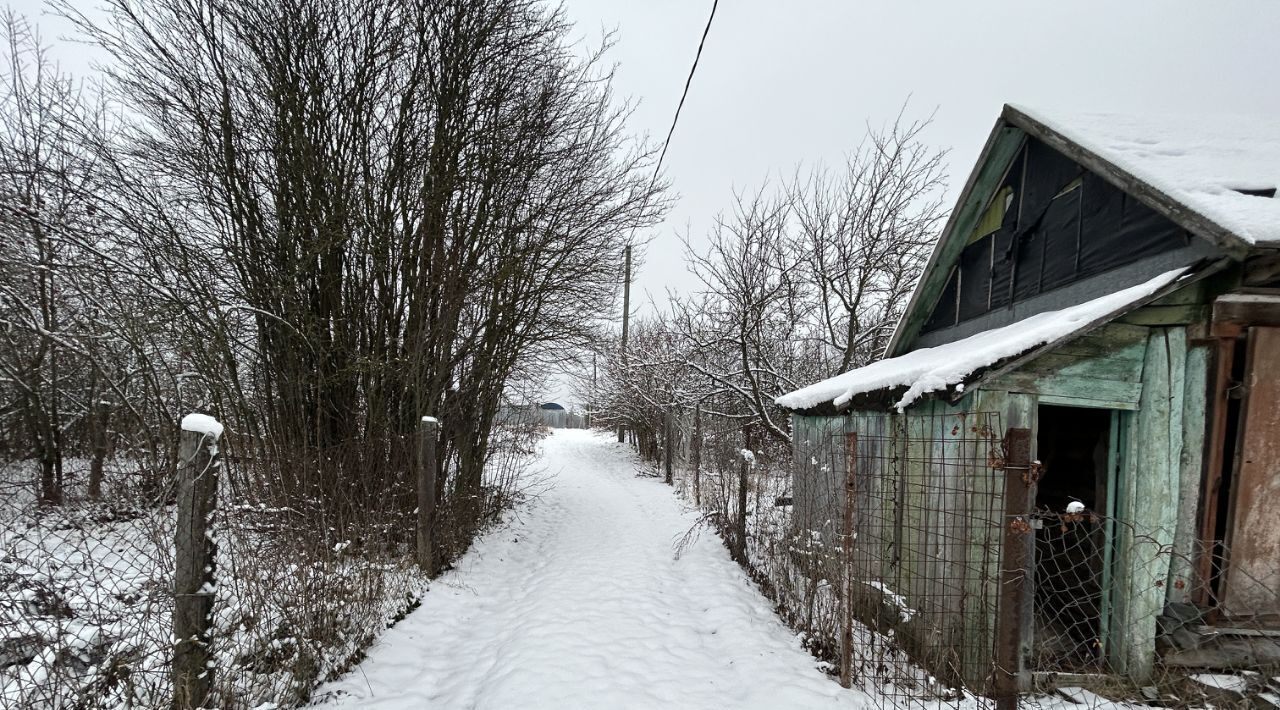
1209 178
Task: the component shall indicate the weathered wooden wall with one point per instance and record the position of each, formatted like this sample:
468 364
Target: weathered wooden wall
927 521
928 513
818 471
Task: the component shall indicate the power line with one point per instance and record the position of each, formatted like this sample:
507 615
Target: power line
626 298
683 95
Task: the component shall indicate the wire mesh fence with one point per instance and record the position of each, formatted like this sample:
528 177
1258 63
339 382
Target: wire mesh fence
924 511
309 567
1121 616
885 541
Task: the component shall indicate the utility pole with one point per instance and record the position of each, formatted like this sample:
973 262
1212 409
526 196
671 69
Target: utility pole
591 404
626 318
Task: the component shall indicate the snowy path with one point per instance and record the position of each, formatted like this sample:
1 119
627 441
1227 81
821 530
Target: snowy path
579 603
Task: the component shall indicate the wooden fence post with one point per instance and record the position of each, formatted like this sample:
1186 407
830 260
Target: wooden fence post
667 447
427 432
195 560
846 618
740 532
696 455
1015 567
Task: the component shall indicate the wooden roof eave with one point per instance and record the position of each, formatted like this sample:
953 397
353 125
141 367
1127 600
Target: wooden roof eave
881 400
884 399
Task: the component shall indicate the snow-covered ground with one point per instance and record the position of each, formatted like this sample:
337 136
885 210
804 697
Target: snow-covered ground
581 601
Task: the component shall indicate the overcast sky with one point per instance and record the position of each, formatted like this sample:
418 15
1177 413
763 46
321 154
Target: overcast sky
786 82
782 83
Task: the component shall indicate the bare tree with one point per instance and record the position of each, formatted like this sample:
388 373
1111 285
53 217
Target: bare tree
48 328
370 210
864 232
751 314
803 282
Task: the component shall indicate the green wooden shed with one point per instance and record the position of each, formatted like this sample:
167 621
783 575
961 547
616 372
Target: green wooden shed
1068 462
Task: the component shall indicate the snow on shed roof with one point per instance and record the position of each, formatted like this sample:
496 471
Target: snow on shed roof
1207 163
933 369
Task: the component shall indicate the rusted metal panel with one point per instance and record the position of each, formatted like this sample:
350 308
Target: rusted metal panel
1252 585
1015 567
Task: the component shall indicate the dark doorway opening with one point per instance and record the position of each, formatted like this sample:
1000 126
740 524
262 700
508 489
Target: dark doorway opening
1075 449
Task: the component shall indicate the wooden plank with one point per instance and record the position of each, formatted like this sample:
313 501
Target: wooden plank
1115 366
1115 449
1080 388
1121 541
1107 338
1215 453
913 572
816 471
1167 315
1252 583
1233 312
850 501
1062 401
1228 653
1086 347
984 502
1194 295
1024 412
957 446
1195 401
1230 631
1148 515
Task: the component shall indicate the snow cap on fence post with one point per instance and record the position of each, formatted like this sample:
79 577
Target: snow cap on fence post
202 424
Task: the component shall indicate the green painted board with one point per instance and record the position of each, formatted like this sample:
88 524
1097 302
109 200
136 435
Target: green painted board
1100 367
1167 315
1148 512
1195 406
1076 387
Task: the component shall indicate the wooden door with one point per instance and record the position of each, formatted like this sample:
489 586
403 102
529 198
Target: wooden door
1252 584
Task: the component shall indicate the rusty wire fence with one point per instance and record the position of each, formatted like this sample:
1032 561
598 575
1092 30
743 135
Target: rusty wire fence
1122 616
897 524
910 554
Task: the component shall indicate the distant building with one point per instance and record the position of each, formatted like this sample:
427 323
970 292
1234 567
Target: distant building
549 414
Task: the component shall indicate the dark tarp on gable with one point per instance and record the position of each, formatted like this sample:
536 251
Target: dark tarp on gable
944 315
1063 224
